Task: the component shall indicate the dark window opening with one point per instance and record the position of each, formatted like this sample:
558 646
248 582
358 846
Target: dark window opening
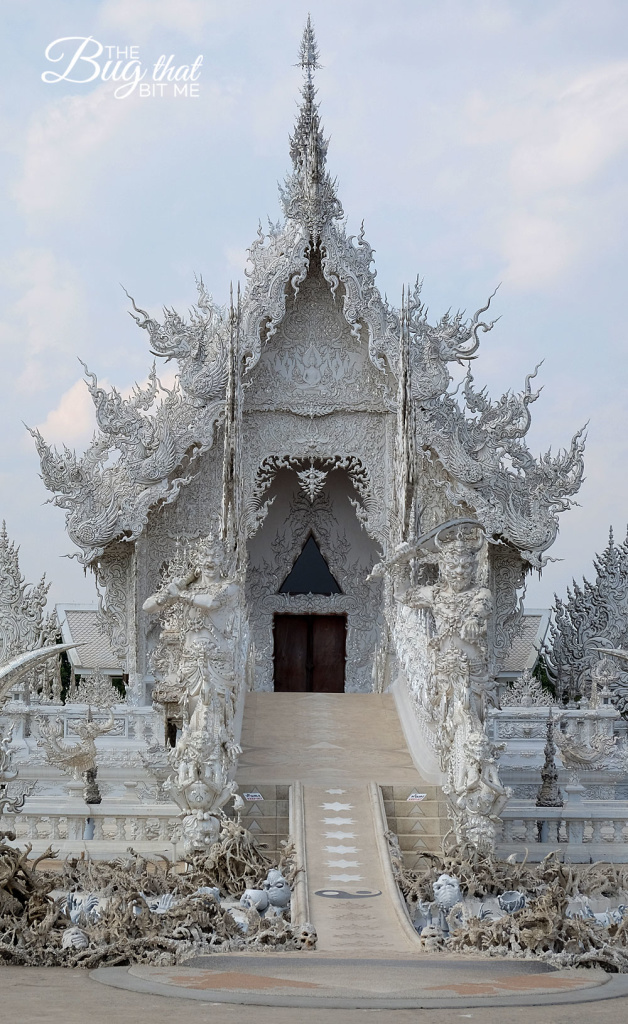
310 573
172 732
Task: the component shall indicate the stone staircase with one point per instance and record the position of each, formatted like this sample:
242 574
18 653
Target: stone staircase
418 817
267 818
351 777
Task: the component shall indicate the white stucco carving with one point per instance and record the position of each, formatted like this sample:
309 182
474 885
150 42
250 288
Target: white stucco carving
310 406
441 630
200 665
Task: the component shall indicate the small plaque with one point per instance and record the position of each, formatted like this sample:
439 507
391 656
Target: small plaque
414 798
253 798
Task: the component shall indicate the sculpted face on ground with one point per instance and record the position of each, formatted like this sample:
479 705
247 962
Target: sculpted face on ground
447 892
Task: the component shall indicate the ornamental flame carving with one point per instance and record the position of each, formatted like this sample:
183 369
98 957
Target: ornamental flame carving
24 627
21 609
200 656
527 692
593 618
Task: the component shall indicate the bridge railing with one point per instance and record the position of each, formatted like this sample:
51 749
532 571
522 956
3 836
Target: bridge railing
581 832
105 828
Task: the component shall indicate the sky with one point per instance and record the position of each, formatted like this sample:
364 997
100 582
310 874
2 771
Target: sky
481 141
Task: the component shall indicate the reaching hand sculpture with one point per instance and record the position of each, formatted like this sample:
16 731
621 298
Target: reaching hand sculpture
197 651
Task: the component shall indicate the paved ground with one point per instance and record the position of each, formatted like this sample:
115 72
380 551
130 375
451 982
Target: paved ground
57 996
314 980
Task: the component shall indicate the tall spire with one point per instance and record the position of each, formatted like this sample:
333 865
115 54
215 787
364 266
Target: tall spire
308 53
310 195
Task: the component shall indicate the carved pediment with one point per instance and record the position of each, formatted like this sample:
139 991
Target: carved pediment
315 364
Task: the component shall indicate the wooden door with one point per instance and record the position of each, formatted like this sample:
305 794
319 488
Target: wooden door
310 653
291 650
328 647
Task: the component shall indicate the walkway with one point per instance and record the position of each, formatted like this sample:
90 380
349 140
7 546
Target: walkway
334 745
335 750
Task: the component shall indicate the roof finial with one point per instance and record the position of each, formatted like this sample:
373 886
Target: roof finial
310 194
308 51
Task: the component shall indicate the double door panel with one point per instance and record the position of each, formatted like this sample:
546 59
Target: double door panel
310 653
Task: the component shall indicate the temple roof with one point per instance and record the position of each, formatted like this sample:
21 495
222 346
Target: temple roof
81 624
148 445
524 650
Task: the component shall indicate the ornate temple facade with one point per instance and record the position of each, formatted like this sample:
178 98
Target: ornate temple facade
309 407
375 525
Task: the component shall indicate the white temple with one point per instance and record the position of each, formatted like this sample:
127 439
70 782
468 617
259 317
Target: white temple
312 509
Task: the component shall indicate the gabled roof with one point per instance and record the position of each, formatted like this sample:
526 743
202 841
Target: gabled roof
80 624
525 648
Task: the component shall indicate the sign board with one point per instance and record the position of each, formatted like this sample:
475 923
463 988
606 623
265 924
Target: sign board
414 798
253 797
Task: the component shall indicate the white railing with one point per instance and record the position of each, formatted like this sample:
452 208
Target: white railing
411 633
130 723
99 823
581 832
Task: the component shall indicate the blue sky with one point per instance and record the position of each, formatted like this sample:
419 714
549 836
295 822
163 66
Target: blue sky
481 142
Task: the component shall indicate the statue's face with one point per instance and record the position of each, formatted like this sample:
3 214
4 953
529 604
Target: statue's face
278 892
198 795
74 938
255 898
210 572
446 891
457 572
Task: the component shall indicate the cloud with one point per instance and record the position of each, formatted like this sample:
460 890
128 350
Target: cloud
573 135
65 148
72 422
537 249
559 141
46 318
188 17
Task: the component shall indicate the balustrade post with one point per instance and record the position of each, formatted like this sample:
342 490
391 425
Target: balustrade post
597 831
608 835
75 826
530 830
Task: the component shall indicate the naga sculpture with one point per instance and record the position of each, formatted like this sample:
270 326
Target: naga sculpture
588 741
453 692
199 645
